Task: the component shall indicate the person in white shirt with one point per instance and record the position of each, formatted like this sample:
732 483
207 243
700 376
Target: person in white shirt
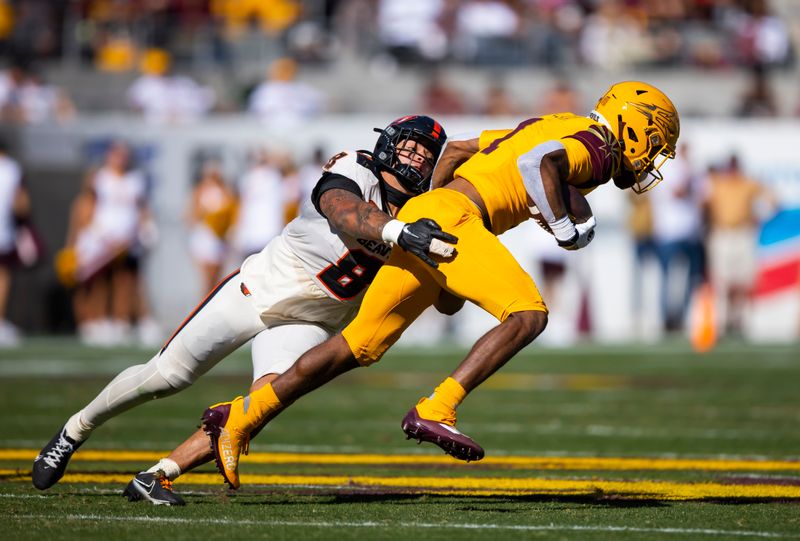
263 197
678 238
282 98
14 203
107 247
164 97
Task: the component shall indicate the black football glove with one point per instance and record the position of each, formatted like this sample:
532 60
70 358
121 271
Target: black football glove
418 236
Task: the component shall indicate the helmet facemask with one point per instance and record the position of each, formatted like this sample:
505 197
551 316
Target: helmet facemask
647 168
408 153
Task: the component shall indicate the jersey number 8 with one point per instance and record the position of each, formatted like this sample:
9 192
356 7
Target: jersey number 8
351 274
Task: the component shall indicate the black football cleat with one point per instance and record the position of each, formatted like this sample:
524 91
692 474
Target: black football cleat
447 437
51 462
153 487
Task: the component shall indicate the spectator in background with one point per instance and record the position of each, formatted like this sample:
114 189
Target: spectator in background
109 225
6 25
12 80
164 97
560 98
212 211
14 205
640 225
26 99
498 102
36 28
759 98
677 235
273 16
439 98
614 37
763 39
489 32
40 102
281 97
290 174
411 30
310 172
731 201
263 197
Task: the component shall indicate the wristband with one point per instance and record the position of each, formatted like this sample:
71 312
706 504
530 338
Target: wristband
391 231
563 229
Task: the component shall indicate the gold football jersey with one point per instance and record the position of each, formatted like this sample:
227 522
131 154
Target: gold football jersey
594 156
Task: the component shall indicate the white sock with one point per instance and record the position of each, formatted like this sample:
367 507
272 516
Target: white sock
168 466
77 429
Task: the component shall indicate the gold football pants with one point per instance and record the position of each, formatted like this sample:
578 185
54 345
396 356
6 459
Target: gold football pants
483 272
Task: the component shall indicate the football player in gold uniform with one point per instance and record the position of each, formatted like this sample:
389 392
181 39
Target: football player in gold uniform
497 180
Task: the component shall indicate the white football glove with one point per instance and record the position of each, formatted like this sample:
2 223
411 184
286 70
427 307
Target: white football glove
584 234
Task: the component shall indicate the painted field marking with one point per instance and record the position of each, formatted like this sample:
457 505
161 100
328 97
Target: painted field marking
513 462
472 486
417 525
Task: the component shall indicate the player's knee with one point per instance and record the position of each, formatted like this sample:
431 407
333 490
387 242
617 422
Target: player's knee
363 348
529 324
176 373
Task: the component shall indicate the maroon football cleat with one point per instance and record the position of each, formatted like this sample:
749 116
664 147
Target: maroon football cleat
453 442
227 443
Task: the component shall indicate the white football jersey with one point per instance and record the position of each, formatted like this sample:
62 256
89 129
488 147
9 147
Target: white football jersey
338 264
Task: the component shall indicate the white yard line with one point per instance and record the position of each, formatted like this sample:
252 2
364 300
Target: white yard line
419 525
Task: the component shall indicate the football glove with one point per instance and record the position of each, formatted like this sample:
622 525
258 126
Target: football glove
421 238
584 234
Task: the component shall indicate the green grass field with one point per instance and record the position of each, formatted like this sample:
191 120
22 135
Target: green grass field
595 442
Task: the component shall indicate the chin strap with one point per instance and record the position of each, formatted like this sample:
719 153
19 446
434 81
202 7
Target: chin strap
395 196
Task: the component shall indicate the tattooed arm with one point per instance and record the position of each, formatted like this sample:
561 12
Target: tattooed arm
350 214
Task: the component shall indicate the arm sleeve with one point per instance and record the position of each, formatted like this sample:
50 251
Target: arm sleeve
529 165
330 181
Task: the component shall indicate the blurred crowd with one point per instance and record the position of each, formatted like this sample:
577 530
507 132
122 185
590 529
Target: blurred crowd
698 229
112 229
608 33
173 44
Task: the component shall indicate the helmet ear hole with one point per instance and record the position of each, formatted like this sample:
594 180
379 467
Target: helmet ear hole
632 135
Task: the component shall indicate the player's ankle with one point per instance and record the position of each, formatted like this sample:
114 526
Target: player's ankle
258 406
168 466
434 410
77 430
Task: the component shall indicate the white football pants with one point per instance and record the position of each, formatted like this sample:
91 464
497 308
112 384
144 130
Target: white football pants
221 324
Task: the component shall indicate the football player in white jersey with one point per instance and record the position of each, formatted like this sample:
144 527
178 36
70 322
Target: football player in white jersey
303 287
